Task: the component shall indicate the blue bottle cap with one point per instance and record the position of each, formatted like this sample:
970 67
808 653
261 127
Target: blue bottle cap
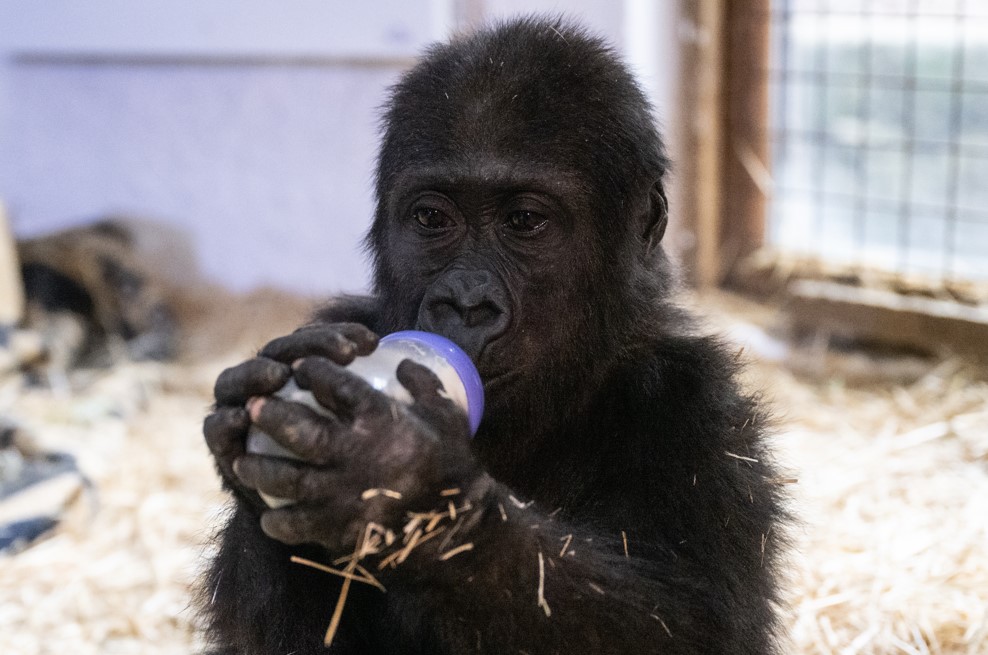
460 362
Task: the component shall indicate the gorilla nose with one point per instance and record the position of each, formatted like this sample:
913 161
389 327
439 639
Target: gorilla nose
468 307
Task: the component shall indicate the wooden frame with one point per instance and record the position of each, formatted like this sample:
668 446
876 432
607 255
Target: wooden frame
11 284
723 174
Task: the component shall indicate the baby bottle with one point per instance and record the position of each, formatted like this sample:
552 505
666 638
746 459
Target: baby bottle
450 364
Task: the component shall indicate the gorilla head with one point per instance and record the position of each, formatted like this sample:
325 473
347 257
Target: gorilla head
519 182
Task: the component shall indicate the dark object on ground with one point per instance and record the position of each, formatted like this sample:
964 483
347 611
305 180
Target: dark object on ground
35 489
87 289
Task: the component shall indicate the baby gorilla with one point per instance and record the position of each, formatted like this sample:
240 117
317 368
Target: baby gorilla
618 496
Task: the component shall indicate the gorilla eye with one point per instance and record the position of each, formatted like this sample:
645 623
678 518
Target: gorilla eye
431 219
526 221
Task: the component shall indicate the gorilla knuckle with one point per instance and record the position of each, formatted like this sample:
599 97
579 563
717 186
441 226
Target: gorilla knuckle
311 484
310 371
223 427
255 377
279 524
361 335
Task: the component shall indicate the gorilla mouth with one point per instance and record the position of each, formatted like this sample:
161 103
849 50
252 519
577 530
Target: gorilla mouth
501 377
498 378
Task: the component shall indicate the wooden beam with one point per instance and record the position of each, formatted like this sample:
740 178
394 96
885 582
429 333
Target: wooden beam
698 167
927 324
745 151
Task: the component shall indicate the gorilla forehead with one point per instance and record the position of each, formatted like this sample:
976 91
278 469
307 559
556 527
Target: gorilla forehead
536 91
483 171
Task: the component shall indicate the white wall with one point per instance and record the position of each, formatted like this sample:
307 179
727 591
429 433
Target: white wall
253 129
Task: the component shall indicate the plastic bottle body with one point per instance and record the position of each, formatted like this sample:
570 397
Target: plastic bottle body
451 365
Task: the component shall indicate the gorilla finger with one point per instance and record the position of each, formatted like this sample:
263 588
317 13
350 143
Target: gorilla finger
333 526
339 342
446 417
225 430
336 387
255 377
431 401
300 429
421 382
284 478
362 336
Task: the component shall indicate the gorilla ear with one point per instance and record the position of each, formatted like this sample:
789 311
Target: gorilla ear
656 216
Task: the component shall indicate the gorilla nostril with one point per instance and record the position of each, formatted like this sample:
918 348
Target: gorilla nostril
469 307
485 313
447 311
444 311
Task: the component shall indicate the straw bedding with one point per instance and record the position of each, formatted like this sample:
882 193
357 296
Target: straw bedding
892 492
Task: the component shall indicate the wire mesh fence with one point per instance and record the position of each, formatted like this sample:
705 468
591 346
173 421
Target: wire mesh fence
879 133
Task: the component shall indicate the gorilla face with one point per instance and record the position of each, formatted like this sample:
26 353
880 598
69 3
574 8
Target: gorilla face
488 254
519 206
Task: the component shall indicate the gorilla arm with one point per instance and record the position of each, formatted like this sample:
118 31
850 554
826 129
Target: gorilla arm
510 578
533 583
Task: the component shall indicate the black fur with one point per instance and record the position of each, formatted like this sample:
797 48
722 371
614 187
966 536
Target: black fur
655 512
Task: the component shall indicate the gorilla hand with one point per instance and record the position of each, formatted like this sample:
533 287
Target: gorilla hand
226 427
370 441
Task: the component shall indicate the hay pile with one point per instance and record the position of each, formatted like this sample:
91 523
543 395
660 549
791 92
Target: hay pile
115 577
891 455
893 492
